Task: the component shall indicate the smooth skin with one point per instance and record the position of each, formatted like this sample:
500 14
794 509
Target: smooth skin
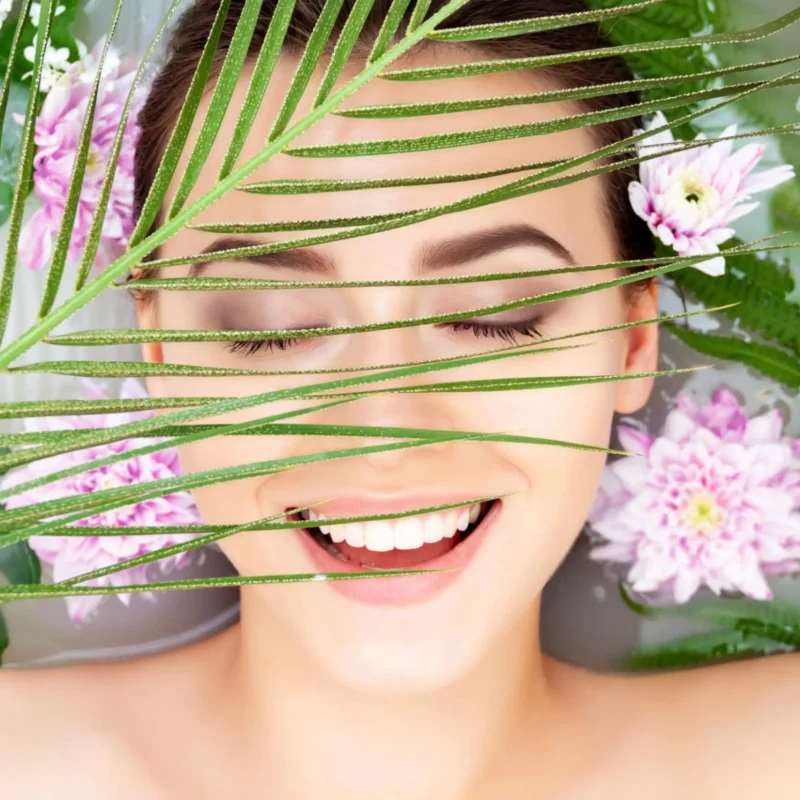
313 695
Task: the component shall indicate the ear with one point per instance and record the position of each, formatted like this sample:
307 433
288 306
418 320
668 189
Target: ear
152 352
641 350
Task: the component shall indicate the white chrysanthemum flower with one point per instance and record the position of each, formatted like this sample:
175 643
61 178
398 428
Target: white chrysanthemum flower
690 198
36 12
56 63
5 10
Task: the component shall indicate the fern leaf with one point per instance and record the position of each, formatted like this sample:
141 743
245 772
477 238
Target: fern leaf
774 363
759 288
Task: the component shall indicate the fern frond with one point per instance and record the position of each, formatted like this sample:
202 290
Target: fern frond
778 364
759 288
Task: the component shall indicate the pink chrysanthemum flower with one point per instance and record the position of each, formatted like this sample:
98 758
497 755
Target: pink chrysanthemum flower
74 555
58 129
713 501
690 198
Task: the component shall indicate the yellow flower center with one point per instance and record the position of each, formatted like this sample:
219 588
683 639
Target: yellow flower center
697 193
108 482
704 514
692 198
94 159
694 190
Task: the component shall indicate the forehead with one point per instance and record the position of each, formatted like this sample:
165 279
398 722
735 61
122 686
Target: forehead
572 214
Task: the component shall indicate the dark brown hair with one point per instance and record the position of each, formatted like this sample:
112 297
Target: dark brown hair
159 114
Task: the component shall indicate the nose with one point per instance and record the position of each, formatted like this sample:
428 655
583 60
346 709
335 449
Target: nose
394 409
400 410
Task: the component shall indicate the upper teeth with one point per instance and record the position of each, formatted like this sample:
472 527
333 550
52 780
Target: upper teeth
407 533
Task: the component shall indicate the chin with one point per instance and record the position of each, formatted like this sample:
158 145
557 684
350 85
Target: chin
390 665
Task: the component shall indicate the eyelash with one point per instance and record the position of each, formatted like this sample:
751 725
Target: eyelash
507 333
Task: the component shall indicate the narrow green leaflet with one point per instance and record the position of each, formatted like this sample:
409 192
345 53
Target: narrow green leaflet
18 565
105 369
81 506
142 335
85 438
61 246
400 110
259 525
510 384
25 167
524 186
300 429
217 406
502 65
213 284
10 143
262 73
3 638
79 439
11 593
107 406
418 15
210 538
343 49
390 25
440 141
220 100
310 186
180 133
305 69
13 57
98 219
475 33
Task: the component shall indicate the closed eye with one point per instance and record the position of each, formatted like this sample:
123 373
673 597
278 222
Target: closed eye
508 332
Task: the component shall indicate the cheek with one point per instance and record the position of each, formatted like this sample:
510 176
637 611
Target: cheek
233 502
562 482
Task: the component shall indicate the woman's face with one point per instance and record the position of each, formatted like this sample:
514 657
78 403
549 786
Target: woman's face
409 633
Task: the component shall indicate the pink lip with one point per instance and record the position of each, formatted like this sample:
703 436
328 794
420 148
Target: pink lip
402 590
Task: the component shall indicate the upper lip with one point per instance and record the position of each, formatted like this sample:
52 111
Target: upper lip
368 506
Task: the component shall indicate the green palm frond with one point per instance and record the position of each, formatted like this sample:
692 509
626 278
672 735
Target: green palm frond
183 418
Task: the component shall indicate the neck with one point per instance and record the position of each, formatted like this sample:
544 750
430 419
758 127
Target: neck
307 734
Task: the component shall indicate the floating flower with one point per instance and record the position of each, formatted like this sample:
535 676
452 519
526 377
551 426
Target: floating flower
75 555
54 65
690 198
713 501
58 129
36 13
5 10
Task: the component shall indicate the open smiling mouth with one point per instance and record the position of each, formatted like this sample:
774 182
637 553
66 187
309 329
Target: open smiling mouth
396 543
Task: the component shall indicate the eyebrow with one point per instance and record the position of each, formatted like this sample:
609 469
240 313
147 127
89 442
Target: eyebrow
431 257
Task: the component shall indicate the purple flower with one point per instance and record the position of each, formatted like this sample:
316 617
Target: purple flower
74 555
58 129
690 198
713 501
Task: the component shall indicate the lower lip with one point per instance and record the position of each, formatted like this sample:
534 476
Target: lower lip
405 589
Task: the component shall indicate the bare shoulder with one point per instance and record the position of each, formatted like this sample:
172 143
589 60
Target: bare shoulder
96 730
57 738
743 721
729 730
732 729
